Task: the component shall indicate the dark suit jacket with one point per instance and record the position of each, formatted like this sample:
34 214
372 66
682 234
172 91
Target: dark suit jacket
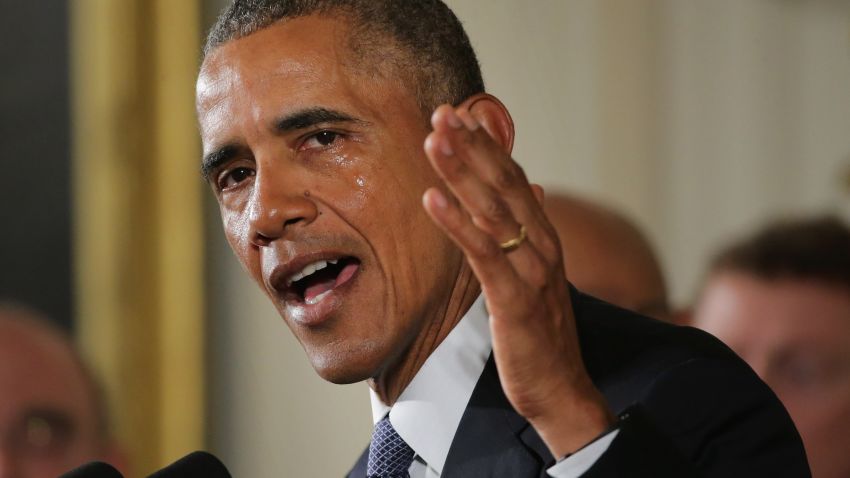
688 407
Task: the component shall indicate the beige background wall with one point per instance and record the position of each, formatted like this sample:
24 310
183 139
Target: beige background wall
700 118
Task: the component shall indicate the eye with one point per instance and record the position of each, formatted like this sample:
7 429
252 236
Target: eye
326 138
321 139
44 433
231 178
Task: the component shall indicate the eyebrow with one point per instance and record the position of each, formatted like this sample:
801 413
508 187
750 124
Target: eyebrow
298 120
216 159
306 118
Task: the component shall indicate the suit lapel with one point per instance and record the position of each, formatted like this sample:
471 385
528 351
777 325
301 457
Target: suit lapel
492 440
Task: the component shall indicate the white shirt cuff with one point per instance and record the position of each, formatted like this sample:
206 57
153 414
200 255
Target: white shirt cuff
579 462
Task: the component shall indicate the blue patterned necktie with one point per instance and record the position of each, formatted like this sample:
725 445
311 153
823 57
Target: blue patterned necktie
389 455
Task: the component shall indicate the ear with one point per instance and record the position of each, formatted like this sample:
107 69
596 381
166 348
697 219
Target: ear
494 117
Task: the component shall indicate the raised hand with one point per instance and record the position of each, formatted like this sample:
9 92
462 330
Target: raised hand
495 216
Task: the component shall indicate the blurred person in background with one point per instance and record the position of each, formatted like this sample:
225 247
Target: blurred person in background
52 414
781 300
607 256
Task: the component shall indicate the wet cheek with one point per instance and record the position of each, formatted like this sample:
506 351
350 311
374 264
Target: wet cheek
237 230
356 181
343 160
363 190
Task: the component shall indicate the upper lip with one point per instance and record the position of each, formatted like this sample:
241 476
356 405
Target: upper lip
280 274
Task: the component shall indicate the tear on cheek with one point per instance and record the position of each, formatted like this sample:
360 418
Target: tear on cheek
237 231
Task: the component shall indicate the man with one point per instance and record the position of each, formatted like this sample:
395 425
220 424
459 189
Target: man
52 417
381 255
607 256
781 300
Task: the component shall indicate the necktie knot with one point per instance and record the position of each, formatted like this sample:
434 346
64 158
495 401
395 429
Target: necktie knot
389 455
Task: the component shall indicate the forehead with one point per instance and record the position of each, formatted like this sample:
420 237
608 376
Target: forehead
37 368
292 64
291 46
785 310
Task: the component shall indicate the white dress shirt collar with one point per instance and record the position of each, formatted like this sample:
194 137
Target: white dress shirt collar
428 412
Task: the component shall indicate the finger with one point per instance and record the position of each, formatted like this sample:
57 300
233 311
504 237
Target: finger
487 210
486 157
504 288
499 173
509 297
467 119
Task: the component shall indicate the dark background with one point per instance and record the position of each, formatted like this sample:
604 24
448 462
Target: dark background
35 152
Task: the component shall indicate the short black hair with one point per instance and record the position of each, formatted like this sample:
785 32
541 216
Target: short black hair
816 249
427 44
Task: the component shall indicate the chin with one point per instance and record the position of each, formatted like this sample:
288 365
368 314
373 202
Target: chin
343 364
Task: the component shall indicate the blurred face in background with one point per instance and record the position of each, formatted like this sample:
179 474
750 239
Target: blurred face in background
607 256
48 420
796 335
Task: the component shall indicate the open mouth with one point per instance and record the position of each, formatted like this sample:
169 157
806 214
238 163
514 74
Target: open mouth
318 279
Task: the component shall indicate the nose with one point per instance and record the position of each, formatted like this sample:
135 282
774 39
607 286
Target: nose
278 205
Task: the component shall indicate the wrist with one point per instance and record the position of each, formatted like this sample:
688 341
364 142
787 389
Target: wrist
572 421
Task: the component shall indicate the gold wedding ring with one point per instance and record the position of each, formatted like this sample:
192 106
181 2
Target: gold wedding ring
508 246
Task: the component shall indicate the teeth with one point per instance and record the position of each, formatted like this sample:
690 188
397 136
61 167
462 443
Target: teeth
318 298
311 268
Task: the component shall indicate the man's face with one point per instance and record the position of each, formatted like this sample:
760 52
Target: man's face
317 161
796 336
48 424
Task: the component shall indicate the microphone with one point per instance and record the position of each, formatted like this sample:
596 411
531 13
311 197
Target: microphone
95 469
198 464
